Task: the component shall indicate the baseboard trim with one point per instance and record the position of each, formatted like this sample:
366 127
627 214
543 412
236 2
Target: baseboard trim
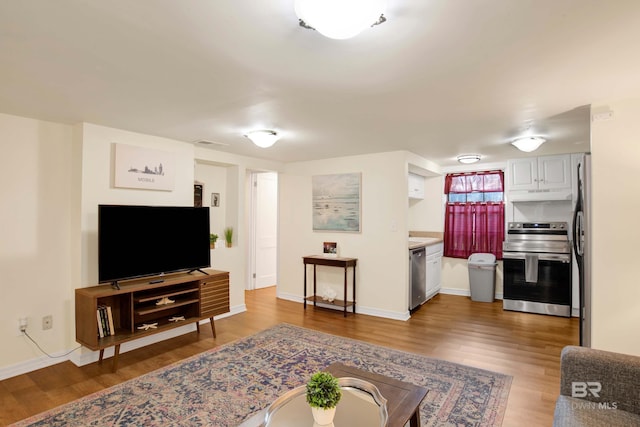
465 292
33 365
454 291
370 311
84 356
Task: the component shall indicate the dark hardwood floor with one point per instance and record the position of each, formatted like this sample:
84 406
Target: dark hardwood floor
453 328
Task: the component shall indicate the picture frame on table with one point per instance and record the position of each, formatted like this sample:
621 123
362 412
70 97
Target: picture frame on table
330 249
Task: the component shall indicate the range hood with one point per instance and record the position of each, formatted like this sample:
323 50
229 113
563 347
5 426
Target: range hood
539 195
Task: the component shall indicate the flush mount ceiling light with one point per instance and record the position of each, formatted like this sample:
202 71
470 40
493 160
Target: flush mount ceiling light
340 19
528 143
263 138
469 158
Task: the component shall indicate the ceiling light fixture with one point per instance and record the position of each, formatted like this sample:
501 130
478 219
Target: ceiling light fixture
263 138
340 19
469 158
528 143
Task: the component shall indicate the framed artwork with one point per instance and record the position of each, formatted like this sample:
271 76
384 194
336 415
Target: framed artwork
198 189
215 200
138 167
336 202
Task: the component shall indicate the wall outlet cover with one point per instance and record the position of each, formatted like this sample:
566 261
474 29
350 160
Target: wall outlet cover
47 322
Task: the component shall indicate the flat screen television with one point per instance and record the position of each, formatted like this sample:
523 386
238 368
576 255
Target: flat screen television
138 241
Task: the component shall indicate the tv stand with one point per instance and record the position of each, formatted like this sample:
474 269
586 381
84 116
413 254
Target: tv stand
136 303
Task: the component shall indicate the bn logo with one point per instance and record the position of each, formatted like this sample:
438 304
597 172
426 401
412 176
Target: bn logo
583 389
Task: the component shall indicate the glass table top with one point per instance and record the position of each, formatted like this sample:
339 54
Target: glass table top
361 404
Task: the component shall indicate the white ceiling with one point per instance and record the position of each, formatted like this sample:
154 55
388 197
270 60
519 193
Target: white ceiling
439 78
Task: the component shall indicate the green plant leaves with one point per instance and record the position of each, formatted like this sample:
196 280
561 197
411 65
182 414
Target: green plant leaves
323 390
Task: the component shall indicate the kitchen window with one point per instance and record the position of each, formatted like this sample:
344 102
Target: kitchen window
474 214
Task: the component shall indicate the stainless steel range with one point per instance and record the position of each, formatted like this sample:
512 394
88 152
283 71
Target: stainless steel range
537 268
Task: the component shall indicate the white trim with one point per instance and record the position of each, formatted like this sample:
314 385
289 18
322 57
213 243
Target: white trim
84 356
395 315
454 291
253 193
465 292
32 365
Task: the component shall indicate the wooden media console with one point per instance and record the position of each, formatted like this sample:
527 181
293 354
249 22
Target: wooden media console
143 307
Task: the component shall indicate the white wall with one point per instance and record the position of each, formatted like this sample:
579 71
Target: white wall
211 168
38 238
97 183
53 178
615 163
214 178
381 246
428 214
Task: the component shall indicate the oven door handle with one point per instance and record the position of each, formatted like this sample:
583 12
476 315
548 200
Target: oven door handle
565 258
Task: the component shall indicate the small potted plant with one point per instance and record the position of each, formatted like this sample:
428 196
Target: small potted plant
213 238
323 394
228 236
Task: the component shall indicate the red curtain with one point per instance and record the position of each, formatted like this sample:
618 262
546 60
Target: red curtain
474 227
489 228
458 230
482 182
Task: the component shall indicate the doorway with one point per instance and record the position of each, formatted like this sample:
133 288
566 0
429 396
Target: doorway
264 224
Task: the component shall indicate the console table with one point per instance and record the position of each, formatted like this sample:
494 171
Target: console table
345 263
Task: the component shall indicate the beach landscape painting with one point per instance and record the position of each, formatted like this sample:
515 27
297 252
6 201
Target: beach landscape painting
336 202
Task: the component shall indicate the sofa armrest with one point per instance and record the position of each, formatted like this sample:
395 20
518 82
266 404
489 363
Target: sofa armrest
617 374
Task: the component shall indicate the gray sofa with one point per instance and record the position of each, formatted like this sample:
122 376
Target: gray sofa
605 387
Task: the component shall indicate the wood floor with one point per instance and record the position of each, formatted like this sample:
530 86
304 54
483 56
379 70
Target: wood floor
453 328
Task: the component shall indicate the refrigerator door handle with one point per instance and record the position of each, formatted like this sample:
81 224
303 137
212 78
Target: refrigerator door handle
578 238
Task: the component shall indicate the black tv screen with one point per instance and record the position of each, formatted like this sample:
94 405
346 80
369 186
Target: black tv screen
137 241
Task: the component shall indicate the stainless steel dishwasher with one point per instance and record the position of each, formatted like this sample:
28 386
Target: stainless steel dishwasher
417 277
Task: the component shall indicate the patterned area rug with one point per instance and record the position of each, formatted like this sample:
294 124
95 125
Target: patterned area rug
226 385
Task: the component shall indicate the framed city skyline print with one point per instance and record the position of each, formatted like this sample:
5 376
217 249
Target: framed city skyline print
139 167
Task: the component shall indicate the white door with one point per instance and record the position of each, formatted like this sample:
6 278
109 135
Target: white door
266 229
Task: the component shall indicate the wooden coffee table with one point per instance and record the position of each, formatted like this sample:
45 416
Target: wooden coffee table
403 399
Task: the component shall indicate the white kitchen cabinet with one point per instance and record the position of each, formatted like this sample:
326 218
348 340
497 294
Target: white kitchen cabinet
416 186
434 270
540 173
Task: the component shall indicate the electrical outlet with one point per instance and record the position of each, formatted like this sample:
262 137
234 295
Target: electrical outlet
22 325
47 322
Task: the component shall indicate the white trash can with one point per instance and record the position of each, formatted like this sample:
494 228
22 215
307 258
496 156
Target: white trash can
482 277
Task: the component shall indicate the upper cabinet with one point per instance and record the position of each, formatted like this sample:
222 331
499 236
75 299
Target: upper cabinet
416 186
540 173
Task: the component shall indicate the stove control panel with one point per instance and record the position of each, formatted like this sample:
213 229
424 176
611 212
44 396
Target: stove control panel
538 225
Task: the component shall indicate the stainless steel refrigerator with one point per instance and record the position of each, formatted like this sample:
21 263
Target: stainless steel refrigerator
582 245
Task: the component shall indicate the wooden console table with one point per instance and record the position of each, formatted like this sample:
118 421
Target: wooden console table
345 263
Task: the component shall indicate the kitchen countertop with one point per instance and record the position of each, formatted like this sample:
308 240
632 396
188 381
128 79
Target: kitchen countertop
419 242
